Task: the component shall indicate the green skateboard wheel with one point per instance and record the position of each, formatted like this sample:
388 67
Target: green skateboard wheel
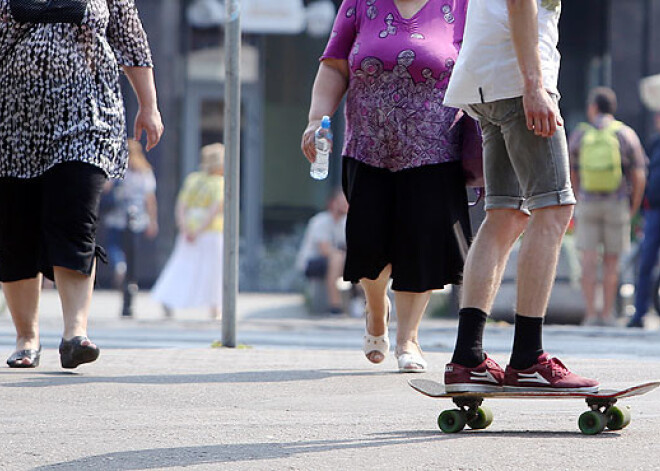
592 422
452 421
482 420
618 417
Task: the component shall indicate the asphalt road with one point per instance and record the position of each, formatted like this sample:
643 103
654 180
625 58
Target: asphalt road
300 397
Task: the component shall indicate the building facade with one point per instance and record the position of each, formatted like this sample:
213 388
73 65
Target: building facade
602 42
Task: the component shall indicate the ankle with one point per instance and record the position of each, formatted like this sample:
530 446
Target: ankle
469 350
27 342
69 334
407 346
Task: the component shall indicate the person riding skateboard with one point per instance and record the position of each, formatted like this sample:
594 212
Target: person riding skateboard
506 76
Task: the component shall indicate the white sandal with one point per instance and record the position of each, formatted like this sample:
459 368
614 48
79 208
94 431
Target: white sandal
377 343
411 363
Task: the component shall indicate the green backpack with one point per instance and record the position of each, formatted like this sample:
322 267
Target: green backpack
600 158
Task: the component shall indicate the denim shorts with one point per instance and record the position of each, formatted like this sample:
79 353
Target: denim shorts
522 170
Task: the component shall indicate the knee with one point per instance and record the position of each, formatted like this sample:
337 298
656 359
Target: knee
507 225
611 263
589 268
553 220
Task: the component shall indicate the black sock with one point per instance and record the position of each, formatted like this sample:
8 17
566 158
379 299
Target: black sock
469 351
527 342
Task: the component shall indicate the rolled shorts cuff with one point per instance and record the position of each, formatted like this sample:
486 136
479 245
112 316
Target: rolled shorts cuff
503 202
554 198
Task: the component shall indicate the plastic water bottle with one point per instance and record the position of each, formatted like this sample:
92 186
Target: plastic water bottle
323 143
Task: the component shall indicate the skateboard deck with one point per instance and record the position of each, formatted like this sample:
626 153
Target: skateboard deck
602 414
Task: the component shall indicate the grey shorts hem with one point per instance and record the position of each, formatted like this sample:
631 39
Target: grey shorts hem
545 200
554 198
503 202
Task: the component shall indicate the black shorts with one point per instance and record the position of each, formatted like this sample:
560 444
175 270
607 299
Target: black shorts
50 221
415 219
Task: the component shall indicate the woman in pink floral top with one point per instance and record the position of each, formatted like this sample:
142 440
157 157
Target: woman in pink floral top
402 173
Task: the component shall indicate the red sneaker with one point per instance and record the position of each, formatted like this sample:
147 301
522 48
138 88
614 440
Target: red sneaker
487 377
549 374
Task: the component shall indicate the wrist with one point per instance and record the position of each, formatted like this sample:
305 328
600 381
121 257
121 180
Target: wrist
148 106
533 83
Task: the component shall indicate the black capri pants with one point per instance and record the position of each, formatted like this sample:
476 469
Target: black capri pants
50 221
415 219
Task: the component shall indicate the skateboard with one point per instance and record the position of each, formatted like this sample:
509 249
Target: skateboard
602 413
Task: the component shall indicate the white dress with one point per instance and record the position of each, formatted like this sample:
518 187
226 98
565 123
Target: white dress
192 276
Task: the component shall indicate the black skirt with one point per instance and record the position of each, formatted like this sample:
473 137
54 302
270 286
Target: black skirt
50 221
415 219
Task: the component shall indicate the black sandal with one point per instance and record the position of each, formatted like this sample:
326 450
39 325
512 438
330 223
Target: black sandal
73 353
16 359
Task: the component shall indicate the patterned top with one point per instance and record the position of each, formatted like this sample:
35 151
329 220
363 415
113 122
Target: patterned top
60 98
400 69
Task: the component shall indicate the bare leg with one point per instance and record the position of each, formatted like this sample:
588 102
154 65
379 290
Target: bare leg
488 255
377 307
75 292
610 284
589 268
537 262
216 313
410 308
335 270
23 302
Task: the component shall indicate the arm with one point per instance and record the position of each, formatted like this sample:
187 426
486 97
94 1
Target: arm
540 110
637 173
152 211
638 182
180 215
148 117
574 144
329 88
208 220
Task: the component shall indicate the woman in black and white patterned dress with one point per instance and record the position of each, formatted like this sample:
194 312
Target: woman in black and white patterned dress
62 134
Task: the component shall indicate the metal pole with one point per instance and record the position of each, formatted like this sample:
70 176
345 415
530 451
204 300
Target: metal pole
232 169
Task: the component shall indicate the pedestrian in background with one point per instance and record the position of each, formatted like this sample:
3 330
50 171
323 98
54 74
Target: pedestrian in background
323 250
506 75
62 134
402 173
648 255
134 209
192 277
608 170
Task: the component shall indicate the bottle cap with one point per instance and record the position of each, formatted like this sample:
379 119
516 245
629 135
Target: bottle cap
325 122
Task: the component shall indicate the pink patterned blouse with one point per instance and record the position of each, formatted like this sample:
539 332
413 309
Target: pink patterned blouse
399 74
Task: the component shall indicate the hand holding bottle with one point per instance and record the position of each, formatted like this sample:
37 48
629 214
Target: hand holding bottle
323 146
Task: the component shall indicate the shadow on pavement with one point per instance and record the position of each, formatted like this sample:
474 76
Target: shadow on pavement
44 380
162 458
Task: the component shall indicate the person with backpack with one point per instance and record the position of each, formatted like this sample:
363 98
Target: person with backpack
648 255
608 170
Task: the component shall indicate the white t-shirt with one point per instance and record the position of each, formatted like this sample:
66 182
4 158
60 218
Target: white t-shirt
321 228
487 67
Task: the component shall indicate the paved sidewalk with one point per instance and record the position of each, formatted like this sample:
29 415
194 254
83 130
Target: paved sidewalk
259 409
301 397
